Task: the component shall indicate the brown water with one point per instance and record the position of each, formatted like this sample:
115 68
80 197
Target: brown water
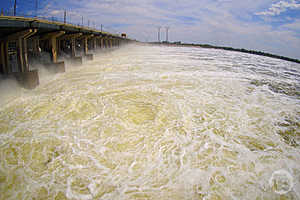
156 123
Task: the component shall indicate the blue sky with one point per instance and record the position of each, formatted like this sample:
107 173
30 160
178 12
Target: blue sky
266 25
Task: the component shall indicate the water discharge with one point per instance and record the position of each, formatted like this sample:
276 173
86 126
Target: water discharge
156 123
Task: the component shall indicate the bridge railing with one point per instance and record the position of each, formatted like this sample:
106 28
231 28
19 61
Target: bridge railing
61 20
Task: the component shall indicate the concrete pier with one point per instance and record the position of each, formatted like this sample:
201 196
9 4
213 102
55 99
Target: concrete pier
27 79
27 40
53 43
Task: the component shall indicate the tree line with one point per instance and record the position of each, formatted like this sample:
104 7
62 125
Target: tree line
235 49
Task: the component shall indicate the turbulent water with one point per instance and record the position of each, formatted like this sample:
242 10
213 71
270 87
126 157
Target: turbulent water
156 123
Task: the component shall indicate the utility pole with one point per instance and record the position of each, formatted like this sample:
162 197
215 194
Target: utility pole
65 16
82 20
101 27
158 34
88 23
36 8
167 33
15 8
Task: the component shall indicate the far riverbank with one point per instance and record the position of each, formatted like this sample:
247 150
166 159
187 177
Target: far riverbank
229 49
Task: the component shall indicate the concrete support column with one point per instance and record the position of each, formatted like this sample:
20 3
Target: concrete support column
25 77
28 79
72 39
55 66
106 43
95 43
52 37
21 38
76 60
25 49
4 57
22 51
84 41
36 46
53 44
20 54
102 43
110 43
73 47
53 49
85 45
2 67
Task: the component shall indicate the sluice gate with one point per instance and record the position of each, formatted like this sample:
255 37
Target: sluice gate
25 42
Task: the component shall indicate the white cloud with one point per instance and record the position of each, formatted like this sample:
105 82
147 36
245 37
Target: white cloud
293 26
280 7
222 22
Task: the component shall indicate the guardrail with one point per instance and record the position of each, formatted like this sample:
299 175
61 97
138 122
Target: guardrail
62 20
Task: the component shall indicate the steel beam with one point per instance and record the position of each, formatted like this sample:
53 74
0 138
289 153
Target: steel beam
52 35
17 35
70 36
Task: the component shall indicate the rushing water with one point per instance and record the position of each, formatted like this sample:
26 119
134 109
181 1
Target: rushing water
156 123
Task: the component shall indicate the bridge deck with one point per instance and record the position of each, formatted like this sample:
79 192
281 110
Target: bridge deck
11 24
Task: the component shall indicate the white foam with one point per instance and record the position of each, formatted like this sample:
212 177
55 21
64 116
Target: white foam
154 122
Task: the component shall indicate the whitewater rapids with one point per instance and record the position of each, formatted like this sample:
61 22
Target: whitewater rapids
150 122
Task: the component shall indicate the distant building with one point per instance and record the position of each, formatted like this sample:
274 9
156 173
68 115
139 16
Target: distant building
123 35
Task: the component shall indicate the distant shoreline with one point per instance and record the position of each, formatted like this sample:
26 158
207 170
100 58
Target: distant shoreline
208 46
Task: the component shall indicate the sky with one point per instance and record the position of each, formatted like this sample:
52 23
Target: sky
264 25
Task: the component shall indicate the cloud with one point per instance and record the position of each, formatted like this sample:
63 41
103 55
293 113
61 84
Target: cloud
279 7
222 22
293 26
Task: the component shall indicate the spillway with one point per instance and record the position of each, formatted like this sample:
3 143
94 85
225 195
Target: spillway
154 122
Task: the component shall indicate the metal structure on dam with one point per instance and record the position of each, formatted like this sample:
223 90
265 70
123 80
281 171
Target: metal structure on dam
24 40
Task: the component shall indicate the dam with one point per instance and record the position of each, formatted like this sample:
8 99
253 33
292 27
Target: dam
24 41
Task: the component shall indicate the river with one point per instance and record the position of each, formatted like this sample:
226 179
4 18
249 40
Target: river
150 122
